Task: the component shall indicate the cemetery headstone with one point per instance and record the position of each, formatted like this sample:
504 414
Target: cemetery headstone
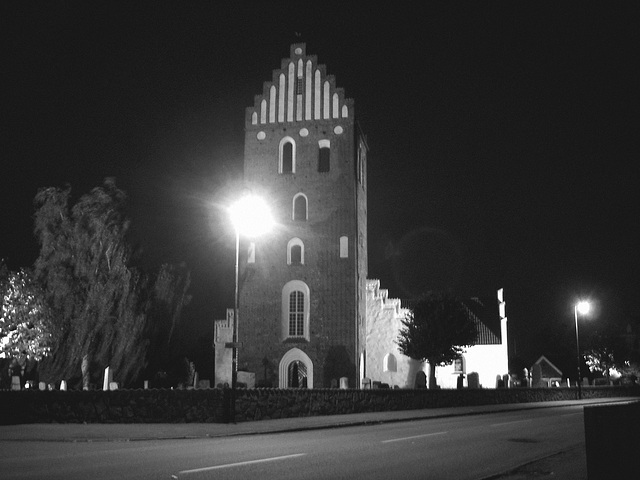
473 380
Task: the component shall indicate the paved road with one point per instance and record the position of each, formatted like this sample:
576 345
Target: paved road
466 447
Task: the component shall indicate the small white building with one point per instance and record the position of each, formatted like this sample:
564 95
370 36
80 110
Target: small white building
384 363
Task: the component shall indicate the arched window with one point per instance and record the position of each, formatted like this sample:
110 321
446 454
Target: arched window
300 207
295 252
324 156
389 363
287 155
295 310
296 314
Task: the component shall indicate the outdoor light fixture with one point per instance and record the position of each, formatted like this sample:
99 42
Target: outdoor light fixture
583 308
250 217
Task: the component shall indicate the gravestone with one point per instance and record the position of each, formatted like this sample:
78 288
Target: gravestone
247 378
536 376
344 383
421 380
108 378
366 383
473 380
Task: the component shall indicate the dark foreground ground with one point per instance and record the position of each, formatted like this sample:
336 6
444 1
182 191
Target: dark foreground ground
570 464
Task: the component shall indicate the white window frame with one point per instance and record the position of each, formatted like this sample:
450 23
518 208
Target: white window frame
293 242
293 154
292 286
306 209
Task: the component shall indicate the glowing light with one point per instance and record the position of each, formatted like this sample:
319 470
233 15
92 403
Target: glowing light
583 307
251 216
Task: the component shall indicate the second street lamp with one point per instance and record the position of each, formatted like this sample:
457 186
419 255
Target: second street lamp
250 217
583 308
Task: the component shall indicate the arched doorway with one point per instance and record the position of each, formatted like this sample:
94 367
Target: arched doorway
297 375
296 370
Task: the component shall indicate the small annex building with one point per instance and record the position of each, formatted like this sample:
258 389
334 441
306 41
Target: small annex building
309 317
479 366
550 375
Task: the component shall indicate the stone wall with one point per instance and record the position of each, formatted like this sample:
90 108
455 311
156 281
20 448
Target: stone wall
211 405
116 406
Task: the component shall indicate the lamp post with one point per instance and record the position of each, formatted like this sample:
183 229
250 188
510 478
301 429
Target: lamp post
251 217
583 308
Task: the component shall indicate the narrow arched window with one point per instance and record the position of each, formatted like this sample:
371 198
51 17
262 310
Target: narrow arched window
296 314
296 255
287 158
300 207
287 162
324 156
295 310
295 252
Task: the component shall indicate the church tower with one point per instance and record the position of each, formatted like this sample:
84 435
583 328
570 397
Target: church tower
302 301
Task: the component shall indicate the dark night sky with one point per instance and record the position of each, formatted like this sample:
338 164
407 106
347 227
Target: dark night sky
503 140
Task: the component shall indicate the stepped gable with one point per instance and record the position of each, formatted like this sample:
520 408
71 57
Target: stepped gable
382 296
301 90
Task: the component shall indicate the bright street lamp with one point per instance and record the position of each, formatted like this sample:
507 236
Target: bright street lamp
582 307
250 217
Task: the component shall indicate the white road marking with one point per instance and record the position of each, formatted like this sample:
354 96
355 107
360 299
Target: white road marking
509 423
413 437
239 464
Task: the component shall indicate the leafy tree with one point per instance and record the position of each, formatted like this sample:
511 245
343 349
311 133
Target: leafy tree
93 294
611 352
436 330
601 360
24 318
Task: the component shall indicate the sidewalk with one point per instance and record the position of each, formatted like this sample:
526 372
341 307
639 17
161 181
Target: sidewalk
566 465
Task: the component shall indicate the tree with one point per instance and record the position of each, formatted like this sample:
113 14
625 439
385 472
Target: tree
601 359
436 330
167 299
24 318
92 292
610 354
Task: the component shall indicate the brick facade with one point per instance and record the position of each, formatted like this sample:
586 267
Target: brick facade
303 106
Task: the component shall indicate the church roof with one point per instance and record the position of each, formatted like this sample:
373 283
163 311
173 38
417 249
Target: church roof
485 313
